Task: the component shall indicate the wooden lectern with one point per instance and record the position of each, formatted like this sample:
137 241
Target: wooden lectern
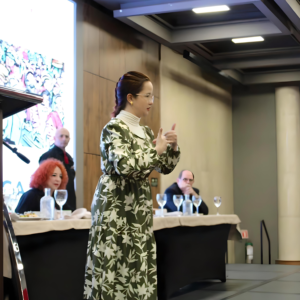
12 101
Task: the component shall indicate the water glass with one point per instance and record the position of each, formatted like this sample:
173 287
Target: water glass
161 200
11 198
61 197
217 202
197 200
177 199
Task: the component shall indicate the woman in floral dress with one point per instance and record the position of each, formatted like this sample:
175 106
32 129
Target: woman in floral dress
121 255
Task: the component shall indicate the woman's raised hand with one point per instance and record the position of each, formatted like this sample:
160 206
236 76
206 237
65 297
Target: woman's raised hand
171 137
161 142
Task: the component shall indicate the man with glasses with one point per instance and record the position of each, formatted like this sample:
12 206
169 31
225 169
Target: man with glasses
183 186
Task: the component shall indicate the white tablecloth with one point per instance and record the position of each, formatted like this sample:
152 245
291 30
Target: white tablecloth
34 227
209 220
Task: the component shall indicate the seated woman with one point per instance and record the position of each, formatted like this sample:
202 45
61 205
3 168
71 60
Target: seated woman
50 174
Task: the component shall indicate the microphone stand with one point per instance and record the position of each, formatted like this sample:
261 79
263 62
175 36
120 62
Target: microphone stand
14 150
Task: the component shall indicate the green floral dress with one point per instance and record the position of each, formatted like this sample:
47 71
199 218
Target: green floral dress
121 255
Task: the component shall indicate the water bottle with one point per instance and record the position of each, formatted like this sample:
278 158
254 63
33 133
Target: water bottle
249 253
187 206
47 205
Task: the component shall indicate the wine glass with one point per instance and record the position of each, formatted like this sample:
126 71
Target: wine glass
177 199
197 200
161 200
218 202
61 197
10 197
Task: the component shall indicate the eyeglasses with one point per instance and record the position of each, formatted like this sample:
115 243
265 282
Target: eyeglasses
147 96
187 180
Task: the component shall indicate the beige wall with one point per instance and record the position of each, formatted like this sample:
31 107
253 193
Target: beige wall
255 167
201 108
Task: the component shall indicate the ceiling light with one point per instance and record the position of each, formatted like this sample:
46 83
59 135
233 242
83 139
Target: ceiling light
248 39
209 9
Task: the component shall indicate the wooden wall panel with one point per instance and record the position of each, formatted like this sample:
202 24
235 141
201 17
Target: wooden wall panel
91 40
92 173
144 59
111 48
99 100
92 113
112 56
153 65
107 100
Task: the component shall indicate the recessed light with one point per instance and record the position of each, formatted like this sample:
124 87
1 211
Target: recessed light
209 9
248 39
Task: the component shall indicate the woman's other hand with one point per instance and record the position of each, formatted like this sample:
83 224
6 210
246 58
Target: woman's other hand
161 142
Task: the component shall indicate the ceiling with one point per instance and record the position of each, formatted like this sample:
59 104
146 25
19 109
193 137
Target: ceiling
183 19
205 39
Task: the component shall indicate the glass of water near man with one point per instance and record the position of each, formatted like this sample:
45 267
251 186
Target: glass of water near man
187 204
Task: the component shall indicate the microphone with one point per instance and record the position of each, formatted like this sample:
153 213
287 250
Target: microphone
23 157
14 150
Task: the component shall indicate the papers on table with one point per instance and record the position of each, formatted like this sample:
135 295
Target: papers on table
80 213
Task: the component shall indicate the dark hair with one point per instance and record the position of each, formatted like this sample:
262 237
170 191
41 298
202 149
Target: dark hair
130 83
180 174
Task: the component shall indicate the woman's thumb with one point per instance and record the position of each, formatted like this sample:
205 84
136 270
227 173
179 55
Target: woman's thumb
160 132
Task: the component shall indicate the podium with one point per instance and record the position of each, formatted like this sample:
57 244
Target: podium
12 101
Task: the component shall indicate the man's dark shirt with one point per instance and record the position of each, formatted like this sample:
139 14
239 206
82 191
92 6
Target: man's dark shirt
58 154
175 190
30 201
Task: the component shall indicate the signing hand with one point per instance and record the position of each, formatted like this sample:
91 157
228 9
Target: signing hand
171 137
161 142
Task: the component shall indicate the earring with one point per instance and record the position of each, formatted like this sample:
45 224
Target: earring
131 102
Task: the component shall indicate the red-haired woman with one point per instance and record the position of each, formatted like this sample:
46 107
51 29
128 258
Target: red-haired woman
50 174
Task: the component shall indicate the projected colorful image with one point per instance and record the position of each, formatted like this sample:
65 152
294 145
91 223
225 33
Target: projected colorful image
34 73
37 55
